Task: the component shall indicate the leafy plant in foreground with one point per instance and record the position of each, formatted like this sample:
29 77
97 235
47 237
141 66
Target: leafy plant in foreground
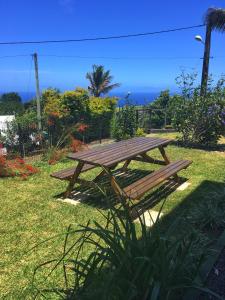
125 261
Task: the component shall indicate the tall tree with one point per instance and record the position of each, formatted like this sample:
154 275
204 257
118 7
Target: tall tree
214 20
100 81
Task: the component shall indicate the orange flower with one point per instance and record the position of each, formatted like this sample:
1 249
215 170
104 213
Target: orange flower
82 127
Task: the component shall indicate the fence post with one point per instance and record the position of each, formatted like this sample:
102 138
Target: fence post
150 120
165 119
137 118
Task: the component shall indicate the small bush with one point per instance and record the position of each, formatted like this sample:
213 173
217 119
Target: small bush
53 155
15 167
77 145
140 132
124 123
201 120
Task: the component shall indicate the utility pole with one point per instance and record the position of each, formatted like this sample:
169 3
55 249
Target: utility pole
205 67
38 97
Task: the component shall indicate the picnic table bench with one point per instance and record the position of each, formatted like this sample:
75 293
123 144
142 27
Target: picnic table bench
107 157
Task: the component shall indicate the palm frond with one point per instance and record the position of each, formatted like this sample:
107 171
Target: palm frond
215 18
110 87
100 81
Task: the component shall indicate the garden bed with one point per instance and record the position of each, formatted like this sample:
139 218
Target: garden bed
216 278
30 214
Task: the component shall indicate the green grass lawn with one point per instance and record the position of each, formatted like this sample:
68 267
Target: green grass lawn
31 214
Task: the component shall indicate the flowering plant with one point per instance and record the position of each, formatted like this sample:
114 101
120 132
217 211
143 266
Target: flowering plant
77 145
81 127
15 167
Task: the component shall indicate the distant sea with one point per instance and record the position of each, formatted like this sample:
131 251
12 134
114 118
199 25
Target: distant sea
137 98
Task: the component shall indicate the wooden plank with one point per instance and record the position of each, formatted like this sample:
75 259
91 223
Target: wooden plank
141 182
154 161
117 189
110 149
163 153
97 149
129 154
102 173
140 187
106 160
68 173
74 178
102 149
126 164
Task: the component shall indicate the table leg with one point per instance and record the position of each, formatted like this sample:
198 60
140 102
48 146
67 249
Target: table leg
167 161
126 164
117 189
103 172
74 178
163 153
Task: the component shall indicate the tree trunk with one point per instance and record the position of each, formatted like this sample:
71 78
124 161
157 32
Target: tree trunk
205 67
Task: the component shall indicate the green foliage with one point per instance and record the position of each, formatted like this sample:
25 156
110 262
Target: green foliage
100 106
21 134
100 81
32 215
140 132
210 212
101 112
53 104
76 103
124 123
201 120
163 109
11 103
126 261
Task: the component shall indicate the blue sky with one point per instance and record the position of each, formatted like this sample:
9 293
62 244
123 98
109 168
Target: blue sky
68 19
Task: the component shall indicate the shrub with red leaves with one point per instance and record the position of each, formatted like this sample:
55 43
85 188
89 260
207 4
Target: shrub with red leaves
77 145
15 167
56 155
81 127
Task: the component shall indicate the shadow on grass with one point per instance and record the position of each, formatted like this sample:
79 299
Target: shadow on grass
218 147
95 196
207 190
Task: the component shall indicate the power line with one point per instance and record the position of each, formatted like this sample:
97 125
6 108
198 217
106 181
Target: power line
114 58
12 56
101 38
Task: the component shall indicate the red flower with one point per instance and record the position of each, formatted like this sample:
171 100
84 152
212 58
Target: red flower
82 127
19 160
16 167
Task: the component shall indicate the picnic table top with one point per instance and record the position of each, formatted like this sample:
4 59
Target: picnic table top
111 154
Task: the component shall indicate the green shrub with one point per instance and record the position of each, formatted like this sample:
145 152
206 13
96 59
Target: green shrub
140 132
201 120
124 123
126 261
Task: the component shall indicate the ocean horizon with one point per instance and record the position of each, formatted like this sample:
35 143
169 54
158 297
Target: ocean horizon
137 98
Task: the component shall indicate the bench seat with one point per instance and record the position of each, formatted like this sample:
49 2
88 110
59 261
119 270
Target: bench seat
143 185
68 173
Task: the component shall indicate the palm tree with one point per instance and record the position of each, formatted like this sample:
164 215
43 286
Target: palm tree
214 20
100 81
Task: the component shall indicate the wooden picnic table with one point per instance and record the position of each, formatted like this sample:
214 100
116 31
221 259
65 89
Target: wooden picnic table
107 157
